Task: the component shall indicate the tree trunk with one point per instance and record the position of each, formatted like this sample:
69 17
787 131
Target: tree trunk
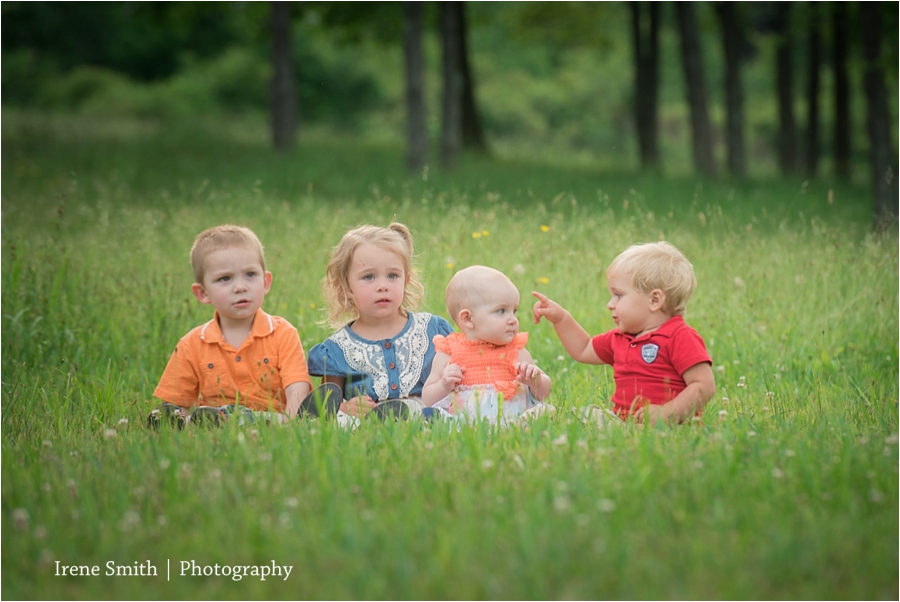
787 136
884 176
704 158
733 43
283 93
472 132
841 91
416 132
812 91
451 114
645 43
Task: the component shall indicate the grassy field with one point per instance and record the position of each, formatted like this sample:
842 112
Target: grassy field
787 488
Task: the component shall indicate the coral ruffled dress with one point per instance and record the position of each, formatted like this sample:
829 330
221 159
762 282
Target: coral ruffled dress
490 375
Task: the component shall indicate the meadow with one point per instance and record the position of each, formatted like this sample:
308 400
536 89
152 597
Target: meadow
786 488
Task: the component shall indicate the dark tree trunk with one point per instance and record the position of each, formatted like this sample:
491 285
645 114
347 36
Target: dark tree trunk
451 113
283 93
787 135
645 44
733 43
841 91
884 175
704 158
472 132
416 133
812 91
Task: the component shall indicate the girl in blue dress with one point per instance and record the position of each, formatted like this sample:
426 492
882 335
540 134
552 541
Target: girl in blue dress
381 354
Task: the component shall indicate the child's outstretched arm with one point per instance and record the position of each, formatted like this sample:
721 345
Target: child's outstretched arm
574 338
701 386
533 377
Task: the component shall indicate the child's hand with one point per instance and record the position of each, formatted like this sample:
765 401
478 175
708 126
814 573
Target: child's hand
545 308
528 374
451 376
358 406
652 414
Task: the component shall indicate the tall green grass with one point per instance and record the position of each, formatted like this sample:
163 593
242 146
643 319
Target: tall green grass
787 487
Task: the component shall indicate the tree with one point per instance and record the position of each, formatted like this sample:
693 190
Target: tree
841 32
701 129
472 132
416 133
787 135
884 169
452 98
733 41
812 91
645 45
284 94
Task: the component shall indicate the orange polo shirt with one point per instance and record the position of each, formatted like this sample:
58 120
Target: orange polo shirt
206 370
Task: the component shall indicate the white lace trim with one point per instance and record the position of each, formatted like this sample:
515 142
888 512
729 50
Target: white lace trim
368 357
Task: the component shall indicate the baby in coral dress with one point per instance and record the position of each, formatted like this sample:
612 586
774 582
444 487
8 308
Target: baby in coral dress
484 371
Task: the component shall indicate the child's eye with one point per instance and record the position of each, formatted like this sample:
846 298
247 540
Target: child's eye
368 277
251 274
393 276
224 279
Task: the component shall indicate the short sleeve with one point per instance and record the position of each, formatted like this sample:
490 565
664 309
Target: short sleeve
603 347
441 344
520 341
691 350
180 382
293 368
318 359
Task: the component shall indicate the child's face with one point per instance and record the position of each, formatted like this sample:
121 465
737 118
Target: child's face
234 283
377 281
632 310
495 320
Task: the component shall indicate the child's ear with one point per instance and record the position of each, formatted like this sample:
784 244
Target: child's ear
200 293
657 300
464 318
267 281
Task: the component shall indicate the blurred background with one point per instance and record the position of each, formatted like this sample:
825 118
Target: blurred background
727 90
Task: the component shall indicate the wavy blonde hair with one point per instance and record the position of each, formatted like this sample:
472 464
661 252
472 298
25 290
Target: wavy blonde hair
397 239
658 265
226 236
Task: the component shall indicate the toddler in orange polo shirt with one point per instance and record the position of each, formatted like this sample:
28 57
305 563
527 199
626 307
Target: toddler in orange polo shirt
484 371
243 357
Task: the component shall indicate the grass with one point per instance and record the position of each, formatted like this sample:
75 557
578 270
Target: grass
787 488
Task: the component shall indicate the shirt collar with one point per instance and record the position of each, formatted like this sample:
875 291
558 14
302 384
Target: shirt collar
667 329
262 326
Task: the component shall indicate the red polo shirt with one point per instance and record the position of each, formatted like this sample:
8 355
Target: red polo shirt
206 370
648 368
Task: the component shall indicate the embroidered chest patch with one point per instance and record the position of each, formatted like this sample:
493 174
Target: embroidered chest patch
649 352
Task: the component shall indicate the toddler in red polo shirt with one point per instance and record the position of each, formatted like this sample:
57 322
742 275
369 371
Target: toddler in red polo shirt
660 364
243 357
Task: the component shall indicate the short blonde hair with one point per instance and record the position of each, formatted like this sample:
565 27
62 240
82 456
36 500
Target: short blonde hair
658 265
217 238
467 287
397 239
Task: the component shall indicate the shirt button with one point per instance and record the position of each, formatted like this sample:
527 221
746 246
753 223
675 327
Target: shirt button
387 345
237 359
210 366
392 365
394 387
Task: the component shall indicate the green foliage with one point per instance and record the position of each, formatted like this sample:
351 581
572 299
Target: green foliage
786 488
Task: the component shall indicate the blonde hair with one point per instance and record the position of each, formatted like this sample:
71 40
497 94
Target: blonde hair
658 265
467 287
397 239
217 238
